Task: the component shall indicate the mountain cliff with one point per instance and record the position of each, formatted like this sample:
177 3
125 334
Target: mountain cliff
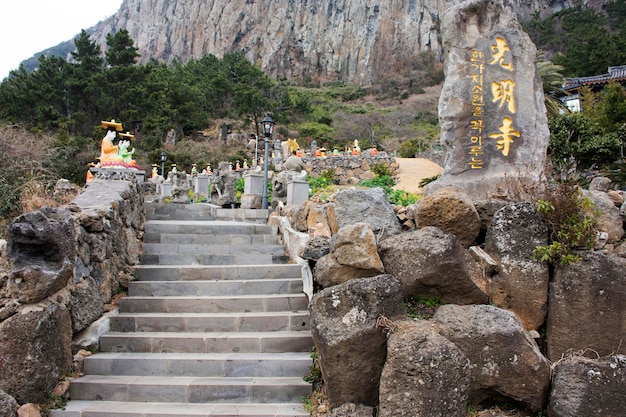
357 41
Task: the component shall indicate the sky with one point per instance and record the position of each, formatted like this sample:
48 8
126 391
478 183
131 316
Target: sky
30 26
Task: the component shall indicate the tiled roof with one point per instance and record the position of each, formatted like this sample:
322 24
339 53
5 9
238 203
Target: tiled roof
614 74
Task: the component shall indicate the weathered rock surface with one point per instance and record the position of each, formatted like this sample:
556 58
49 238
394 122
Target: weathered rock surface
35 352
610 220
521 284
491 109
505 360
587 306
315 248
424 375
41 248
429 262
369 206
589 387
452 211
351 348
352 410
8 405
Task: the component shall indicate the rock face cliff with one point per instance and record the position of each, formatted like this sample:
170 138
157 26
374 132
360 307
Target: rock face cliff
357 41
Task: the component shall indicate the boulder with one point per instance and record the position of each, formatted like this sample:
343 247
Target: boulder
85 304
610 220
35 352
600 184
491 109
41 248
8 405
429 262
521 284
352 410
315 248
617 197
353 254
589 387
351 348
594 293
424 375
505 360
370 206
452 211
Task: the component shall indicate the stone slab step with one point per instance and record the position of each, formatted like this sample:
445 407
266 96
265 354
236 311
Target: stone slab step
211 249
222 287
162 366
240 259
188 389
215 342
155 228
210 322
204 239
156 409
216 272
214 304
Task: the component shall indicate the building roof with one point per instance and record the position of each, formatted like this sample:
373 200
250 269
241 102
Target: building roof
614 74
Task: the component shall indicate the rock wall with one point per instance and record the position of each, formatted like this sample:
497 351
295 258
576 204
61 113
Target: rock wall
327 40
350 169
68 263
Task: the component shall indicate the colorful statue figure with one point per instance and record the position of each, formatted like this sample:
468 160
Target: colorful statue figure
356 146
245 164
155 171
109 153
194 170
374 151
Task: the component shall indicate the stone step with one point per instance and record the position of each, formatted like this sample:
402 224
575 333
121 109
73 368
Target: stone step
214 304
189 389
211 249
159 409
154 230
218 342
204 239
214 365
216 272
220 288
210 322
186 259
170 211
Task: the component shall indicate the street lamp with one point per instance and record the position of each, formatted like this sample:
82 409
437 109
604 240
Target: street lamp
268 126
163 159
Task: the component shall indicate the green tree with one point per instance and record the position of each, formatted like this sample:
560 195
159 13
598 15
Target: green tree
552 81
121 49
87 53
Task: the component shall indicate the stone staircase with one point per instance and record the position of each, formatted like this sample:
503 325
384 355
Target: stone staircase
216 324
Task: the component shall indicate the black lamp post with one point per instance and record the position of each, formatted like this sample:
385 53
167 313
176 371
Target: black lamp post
268 127
163 159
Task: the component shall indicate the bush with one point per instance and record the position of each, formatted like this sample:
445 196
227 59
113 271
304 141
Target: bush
572 222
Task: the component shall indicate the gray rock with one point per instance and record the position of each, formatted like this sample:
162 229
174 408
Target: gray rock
589 387
499 133
41 248
85 304
428 262
600 184
505 360
352 410
610 220
424 375
521 284
351 348
452 211
594 293
8 405
35 352
369 206
315 248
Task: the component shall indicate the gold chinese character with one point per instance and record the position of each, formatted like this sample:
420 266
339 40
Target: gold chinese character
506 131
499 49
503 93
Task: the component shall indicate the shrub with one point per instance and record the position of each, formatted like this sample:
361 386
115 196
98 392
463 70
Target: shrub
572 222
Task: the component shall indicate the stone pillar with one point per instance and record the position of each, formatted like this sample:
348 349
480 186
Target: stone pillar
201 185
253 184
297 192
166 188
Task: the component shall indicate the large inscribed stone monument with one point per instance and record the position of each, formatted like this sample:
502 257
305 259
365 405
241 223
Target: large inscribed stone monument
491 110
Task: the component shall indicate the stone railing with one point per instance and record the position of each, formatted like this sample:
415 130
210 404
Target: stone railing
68 263
350 169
